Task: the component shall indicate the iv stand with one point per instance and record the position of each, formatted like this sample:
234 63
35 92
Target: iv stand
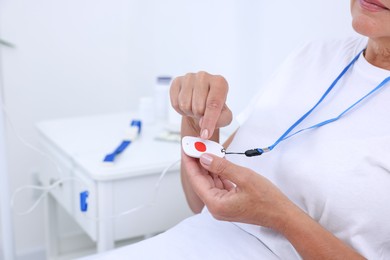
5 208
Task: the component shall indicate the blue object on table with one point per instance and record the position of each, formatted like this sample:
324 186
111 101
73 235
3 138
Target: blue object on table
83 201
135 124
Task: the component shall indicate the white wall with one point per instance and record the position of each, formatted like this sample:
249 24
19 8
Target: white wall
287 24
79 57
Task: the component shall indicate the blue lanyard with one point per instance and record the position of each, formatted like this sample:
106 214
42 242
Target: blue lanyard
288 134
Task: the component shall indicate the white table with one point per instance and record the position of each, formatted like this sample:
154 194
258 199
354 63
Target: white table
77 146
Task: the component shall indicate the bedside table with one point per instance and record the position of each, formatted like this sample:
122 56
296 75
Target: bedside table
77 147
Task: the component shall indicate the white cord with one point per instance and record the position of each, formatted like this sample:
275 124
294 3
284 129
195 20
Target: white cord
47 189
150 204
27 144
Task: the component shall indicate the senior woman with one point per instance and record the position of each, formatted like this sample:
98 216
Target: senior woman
324 192
321 188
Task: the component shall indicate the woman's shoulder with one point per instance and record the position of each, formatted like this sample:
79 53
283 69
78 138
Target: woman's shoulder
337 49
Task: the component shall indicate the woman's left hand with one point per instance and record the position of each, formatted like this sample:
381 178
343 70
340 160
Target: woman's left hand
253 199
235 193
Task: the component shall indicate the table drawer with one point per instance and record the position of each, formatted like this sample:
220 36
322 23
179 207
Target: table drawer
170 206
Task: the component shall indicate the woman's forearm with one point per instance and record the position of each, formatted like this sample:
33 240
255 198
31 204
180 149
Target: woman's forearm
310 239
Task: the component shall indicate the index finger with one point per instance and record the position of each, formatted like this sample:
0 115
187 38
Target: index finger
214 104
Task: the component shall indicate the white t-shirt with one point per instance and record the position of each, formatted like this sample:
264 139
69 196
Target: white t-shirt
339 174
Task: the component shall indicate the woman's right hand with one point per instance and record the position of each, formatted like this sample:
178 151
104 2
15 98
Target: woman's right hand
201 98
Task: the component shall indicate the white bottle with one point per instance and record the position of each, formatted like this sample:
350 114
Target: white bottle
161 98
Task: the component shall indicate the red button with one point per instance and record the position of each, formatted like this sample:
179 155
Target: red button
201 147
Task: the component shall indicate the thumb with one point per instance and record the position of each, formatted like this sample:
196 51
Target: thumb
222 167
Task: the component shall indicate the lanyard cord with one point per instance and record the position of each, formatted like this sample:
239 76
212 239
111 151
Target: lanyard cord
286 135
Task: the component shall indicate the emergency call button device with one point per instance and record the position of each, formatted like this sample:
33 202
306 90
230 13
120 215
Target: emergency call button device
195 147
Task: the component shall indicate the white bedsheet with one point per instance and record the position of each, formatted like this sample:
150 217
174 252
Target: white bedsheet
198 237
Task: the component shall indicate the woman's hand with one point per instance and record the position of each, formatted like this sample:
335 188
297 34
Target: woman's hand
201 97
236 193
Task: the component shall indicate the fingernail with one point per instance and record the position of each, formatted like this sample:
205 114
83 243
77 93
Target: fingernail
204 134
206 159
